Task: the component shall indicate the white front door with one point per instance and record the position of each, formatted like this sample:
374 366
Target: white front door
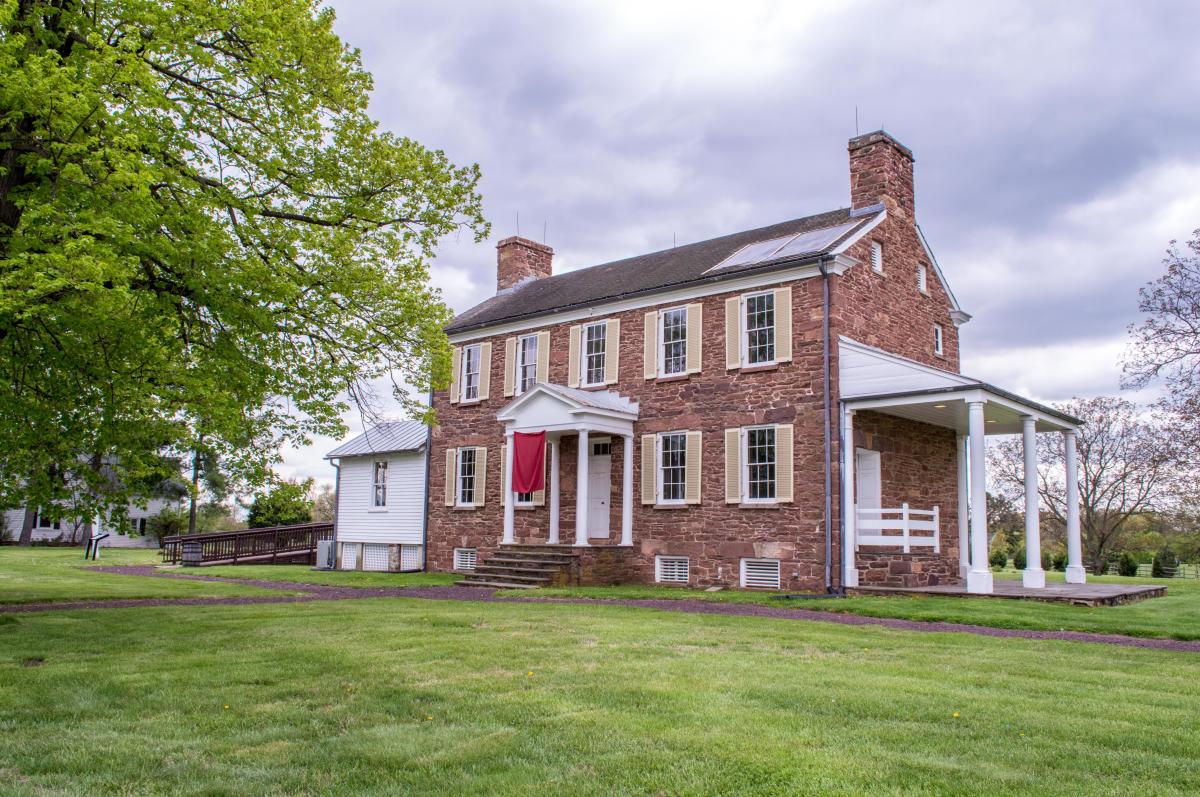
868 479
599 488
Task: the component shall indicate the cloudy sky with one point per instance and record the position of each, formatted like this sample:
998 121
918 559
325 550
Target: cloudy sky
1056 143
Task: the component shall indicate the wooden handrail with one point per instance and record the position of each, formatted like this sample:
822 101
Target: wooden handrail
249 543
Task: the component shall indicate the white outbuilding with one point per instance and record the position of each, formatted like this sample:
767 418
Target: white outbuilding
379 522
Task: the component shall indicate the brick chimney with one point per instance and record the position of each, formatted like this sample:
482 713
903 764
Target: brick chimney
519 259
881 170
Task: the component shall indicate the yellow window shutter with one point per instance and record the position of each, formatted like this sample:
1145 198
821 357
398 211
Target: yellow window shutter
783 463
485 370
783 325
451 474
648 475
480 476
695 336
612 351
733 466
504 473
573 356
693 470
543 354
510 366
733 328
650 346
455 369
539 496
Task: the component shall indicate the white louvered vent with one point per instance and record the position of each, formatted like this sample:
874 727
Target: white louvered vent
671 569
375 557
760 573
464 558
349 555
410 557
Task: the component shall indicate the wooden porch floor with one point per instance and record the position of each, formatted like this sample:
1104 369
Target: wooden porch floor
1077 594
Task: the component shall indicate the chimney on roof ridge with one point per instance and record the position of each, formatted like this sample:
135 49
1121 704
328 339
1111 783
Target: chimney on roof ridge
519 259
881 170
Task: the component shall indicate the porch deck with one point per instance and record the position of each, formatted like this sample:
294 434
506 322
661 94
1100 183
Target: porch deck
1077 594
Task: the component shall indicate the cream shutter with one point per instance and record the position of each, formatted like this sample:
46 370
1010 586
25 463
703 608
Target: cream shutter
695 337
693 471
504 474
612 351
573 355
648 475
650 346
485 370
451 474
510 366
783 463
480 476
733 328
539 496
455 370
733 466
543 355
783 325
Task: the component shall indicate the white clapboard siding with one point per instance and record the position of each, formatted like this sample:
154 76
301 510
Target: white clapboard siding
867 371
400 521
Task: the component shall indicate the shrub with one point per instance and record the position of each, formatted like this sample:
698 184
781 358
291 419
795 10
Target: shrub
1047 561
1019 561
998 559
1164 564
1060 561
1127 564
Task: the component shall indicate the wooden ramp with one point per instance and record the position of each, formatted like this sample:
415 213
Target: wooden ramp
1078 594
274 545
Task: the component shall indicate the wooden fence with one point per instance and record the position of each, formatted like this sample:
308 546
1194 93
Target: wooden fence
258 546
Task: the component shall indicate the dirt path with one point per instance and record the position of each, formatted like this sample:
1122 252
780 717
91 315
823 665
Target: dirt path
318 592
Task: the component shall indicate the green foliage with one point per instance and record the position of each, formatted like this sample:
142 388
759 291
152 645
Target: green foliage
285 504
1019 559
1164 564
167 523
1127 564
1059 561
204 239
998 558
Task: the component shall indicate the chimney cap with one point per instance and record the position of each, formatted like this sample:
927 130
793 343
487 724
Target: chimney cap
516 240
876 137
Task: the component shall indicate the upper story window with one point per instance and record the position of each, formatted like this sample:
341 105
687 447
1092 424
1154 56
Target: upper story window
922 279
527 360
466 477
470 372
673 351
938 340
379 484
877 257
672 467
595 338
760 329
758 476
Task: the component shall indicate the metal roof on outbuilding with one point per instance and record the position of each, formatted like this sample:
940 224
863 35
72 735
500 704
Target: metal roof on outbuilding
386 438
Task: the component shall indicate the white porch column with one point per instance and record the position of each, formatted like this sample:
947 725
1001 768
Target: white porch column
964 510
1075 572
627 491
507 487
553 492
1033 576
581 490
849 513
979 578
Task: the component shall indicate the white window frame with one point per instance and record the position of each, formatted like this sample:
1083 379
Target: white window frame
922 279
465 375
584 368
520 387
779 573
658 469
877 257
658 569
379 488
662 341
939 340
745 457
520 500
464 555
745 330
458 476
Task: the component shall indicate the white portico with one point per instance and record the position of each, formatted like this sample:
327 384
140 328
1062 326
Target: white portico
565 412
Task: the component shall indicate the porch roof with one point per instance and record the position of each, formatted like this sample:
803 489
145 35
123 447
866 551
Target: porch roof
554 408
947 407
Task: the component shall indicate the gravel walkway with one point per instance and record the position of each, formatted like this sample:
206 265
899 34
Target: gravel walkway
317 592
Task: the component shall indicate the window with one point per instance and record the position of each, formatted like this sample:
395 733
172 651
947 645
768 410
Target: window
470 373
877 257
527 357
379 485
524 499
922 279
760 464
141 526
760 328
938 347
673 325
466 477
464 558
40 521
760 573
672 467
602 449
594 338
671 569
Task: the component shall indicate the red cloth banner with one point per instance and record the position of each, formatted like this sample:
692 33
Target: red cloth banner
529 462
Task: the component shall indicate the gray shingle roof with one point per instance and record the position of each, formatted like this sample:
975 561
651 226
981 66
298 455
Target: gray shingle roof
652 273
386 438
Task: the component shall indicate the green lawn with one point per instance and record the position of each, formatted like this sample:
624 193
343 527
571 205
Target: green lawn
303 574
34 575
394 696
1175 616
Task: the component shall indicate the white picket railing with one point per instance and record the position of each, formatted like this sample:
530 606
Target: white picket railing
918 528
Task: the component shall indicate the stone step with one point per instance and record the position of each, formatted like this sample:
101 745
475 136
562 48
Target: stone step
491 566
508 575
468 582
530 561
560 550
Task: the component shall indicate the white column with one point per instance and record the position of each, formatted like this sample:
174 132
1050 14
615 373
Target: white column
627 491
849 515
554 506
964 510
581 490
979 578
1033 576
508 496
1075 571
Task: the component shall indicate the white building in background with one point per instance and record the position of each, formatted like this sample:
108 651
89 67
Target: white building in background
136 532
379 523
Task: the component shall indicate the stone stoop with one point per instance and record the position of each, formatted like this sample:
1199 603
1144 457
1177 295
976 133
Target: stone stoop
526 567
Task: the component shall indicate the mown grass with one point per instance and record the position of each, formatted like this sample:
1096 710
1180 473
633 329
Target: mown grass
418 697
303 574
1175 616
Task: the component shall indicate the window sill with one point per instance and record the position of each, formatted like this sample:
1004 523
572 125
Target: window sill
377 510
757 367
673 506
597 386
760 505
672 378
526 507
457 508
470 402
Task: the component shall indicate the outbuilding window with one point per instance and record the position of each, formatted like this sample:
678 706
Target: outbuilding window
379 484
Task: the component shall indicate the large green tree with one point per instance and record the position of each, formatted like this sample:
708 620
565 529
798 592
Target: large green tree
206 242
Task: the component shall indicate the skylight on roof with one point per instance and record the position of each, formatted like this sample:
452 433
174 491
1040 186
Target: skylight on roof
789 246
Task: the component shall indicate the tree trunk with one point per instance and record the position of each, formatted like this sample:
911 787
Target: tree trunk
195 491
27 526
